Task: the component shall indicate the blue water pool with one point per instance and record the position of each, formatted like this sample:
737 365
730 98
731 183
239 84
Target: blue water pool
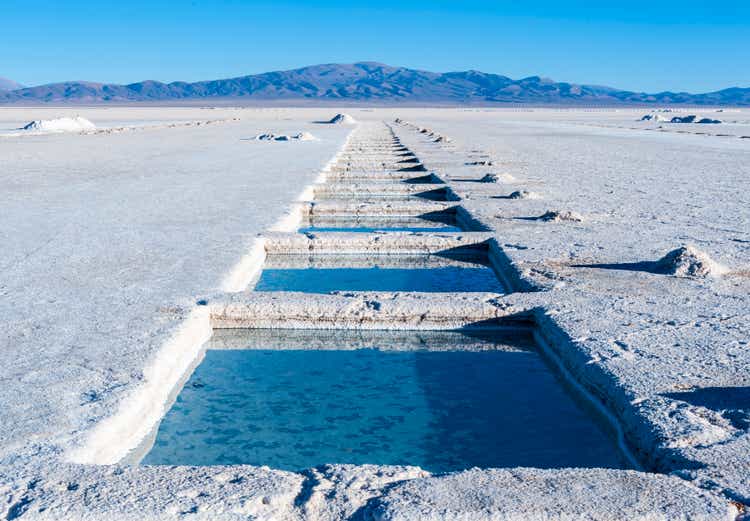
386 273
445 223
443 401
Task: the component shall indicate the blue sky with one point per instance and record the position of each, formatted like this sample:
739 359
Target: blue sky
651 46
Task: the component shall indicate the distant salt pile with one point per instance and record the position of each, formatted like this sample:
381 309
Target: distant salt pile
688 261
557 216
655 118
269 137
522 194
489 178
76 124
442 139
692 118
301 136
342 119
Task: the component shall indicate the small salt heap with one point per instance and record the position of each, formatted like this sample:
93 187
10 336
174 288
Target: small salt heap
688 261
655 118
300 136
342 119
76 124
560 216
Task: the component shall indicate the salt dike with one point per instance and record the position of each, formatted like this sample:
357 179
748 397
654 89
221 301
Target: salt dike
123 251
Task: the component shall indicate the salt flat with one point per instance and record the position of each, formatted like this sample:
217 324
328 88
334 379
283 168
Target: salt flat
104 235
111 238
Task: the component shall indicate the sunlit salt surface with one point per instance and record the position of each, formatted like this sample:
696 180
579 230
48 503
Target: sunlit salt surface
442 400
438 223
428 273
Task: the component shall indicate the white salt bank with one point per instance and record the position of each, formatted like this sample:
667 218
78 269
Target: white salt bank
75 124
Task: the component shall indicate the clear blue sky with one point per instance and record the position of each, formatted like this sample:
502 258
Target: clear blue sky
652 46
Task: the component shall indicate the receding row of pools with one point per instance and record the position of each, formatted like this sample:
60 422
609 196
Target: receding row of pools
440 400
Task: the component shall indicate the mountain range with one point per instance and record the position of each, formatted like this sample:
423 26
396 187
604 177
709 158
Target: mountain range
6 84
364 83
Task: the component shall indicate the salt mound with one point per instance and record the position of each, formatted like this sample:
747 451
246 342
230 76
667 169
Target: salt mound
655 118
301 136
270 137
479 163
342 119
692 118
688 261
557 216
489 178
442 139
76 124
522 194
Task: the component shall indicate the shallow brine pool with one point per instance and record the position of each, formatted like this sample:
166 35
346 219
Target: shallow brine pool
428 273
442 401
441 223
431 195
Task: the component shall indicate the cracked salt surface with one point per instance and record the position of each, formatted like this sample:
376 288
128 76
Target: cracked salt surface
443 402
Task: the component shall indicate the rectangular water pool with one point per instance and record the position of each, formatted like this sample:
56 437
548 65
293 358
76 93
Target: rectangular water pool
439 194
437 223
427 273
443 401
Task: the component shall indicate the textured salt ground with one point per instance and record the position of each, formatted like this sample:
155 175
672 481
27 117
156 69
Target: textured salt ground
103 237
74 356
668 354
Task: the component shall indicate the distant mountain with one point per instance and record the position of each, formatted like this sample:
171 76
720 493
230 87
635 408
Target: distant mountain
6 84
369 83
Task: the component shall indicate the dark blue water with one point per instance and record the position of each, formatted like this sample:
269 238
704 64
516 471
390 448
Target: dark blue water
326 280
441 410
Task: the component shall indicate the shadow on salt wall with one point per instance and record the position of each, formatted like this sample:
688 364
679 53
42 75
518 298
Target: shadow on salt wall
415 168
732 402
424 179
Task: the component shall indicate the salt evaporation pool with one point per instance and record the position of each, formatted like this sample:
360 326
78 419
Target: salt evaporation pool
439 194
294 399
426 273
442 223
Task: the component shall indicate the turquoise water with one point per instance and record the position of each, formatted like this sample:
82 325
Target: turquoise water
430 280
386 273
376 228
439 194
274 398
378 224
